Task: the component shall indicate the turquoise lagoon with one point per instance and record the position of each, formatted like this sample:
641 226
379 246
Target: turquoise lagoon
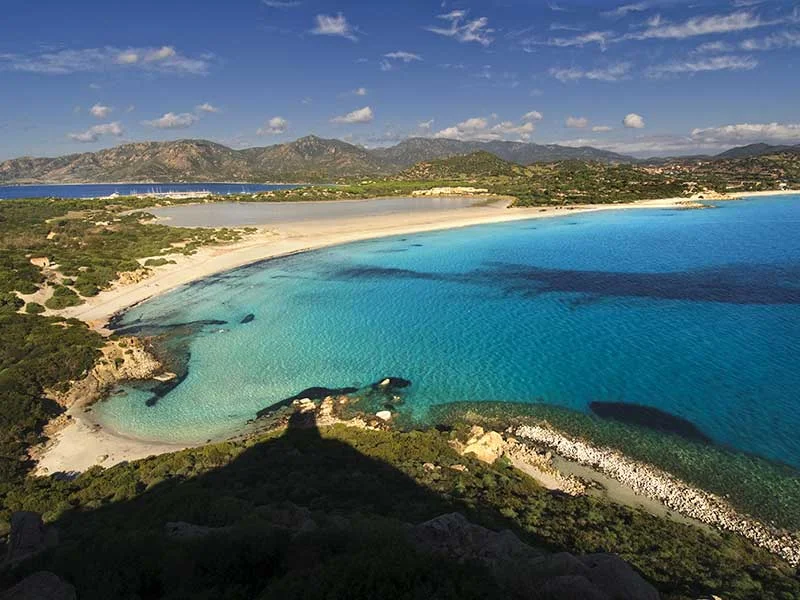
693 312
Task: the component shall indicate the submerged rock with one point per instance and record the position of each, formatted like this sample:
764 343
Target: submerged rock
248 318
649 417
312 393
392 383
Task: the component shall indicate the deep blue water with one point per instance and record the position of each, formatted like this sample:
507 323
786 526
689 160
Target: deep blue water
96 190
696 313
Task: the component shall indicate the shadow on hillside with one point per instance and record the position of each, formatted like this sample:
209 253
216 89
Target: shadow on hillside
298 516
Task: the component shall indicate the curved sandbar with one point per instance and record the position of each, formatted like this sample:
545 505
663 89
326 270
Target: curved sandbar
303 234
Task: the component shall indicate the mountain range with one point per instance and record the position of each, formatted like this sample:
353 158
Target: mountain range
307 159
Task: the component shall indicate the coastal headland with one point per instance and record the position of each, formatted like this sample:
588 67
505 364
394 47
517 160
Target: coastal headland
83 443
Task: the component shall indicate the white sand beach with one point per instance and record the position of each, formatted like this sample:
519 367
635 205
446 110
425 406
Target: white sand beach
309 235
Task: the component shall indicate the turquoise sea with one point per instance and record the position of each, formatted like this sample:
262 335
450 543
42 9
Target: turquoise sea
693 312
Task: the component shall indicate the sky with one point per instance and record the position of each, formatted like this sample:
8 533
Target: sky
647 78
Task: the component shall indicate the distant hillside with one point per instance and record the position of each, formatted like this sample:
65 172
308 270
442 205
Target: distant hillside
756 150
307 159
313 159
414 150
477 164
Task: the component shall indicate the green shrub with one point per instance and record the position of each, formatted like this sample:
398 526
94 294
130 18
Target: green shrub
62 298
34 308
158 262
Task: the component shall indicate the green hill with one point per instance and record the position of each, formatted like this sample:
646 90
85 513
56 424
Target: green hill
468 166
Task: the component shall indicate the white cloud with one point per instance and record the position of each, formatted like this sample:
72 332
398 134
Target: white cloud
425 125
601 128
128 57
576 122
600 38
362 115
100 111
625 9
160 54
746 133
406 57
362 91
776 41
163 59
696 26
206 108
464 30
641 145
533 115
633 121
716 63
94 133
711 139
172 120
479 129
713 48
612 73
275 126
338 26
130 108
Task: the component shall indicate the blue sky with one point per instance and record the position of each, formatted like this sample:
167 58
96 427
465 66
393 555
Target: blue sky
654 77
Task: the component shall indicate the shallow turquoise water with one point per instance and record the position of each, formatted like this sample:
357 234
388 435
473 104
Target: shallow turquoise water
693 312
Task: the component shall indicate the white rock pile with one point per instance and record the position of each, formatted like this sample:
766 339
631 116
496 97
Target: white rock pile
672 492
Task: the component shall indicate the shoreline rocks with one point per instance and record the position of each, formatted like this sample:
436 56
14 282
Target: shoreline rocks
125 359
674 493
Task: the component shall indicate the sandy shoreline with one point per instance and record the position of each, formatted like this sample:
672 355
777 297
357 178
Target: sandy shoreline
293 238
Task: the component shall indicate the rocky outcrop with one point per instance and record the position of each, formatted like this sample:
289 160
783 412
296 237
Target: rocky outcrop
454 536
674 493
42 585
487 446
28 536
527 572
123 359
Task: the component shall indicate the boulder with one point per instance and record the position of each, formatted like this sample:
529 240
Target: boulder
42 585
486 446
28 536
617 578
526 572
384 415
454 536
570 587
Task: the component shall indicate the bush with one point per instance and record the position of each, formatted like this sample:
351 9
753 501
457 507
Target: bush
34 308
62 298
158 262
